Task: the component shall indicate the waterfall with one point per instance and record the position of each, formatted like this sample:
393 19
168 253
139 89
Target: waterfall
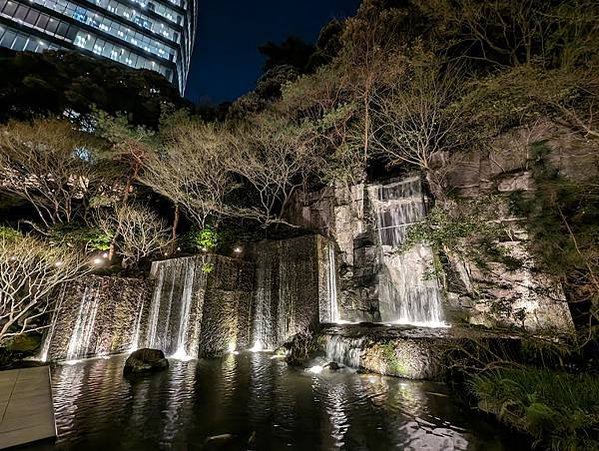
176 305
407 292
135 343
344 350
332 283
184 316
262 313
43 355
81 338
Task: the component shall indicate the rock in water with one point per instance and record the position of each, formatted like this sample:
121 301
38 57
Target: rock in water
145 360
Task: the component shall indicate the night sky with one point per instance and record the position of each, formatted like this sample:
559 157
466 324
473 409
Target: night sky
226 62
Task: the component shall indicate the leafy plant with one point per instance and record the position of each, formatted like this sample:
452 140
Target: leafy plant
559 410
207 268
206 239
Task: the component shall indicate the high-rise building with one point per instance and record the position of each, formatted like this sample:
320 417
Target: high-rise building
150 34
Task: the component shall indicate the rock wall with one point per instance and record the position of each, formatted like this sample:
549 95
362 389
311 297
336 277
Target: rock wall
412 353
225 323
501 297
290 286
117 302
200 305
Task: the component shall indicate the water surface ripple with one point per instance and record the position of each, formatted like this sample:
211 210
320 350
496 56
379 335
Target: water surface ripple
251 394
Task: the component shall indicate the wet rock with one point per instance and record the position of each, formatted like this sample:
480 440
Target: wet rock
333 366
145 360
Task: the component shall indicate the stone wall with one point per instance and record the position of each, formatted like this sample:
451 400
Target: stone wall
290 283
412 353
496 298
225 321
118 305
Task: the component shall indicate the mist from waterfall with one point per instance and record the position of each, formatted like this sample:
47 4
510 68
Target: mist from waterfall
175 310
81 338
407 292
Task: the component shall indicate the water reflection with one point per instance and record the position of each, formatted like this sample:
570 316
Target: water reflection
262 403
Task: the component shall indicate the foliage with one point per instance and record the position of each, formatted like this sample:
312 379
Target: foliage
192 167
51 165
52 82
207 268
563 219
206 239
80 237
559 410
469 229
137 231
9 234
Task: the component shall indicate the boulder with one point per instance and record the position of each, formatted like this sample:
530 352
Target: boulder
145 360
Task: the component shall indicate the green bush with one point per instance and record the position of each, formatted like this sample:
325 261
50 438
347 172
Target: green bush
560 410
205 240
9 234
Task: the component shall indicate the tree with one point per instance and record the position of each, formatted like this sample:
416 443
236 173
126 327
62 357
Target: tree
50 165
140 232
292 52
31 272
273 155
191 168
54 82
415 121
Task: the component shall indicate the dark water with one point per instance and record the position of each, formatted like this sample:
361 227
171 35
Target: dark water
252 394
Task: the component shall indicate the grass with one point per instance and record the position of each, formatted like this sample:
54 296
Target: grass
561 411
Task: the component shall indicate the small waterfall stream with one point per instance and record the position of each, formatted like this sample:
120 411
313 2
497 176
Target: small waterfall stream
135 343
81 338
334 316
346 351
176 305
408 294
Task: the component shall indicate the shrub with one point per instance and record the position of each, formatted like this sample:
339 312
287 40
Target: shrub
560 410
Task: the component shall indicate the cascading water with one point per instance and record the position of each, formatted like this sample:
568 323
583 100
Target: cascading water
332 283
344 350
81 338
135 343
262 314
43 355
407 292
176 306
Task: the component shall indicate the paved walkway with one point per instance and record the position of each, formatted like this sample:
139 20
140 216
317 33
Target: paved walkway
26 411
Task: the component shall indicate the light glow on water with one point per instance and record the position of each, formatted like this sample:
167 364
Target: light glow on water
181 355
316 369
94 405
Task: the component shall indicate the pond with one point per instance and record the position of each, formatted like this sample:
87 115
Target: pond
260 401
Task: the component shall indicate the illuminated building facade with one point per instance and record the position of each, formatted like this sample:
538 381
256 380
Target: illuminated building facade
143 34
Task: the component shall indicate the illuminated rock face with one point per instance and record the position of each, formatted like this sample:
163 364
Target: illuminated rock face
98 316
292 285
199 307
379 281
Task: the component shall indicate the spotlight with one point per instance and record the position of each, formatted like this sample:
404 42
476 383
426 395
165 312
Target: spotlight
98 261
238 250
